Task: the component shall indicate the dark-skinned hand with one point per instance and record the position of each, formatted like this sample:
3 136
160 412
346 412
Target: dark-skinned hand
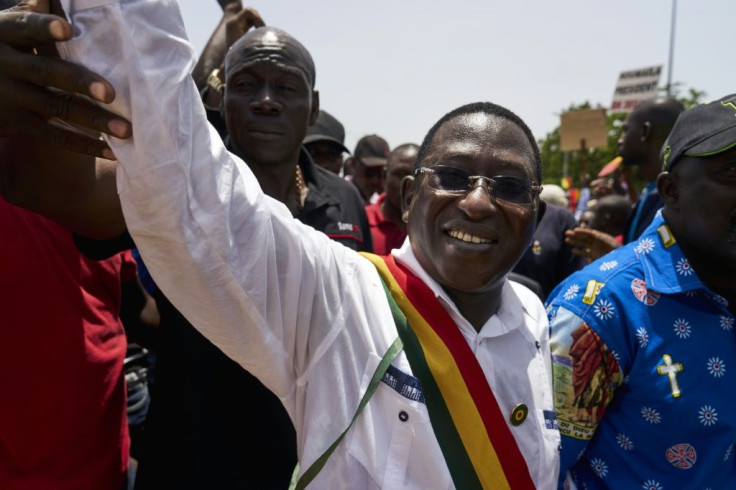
590 243
237 4
238 25
238 21
37 88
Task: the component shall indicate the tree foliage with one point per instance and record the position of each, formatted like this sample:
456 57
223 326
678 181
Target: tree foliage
553 159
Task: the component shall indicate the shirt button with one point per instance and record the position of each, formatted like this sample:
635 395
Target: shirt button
403 416
539 346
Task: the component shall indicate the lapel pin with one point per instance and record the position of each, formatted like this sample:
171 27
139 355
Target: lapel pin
518 414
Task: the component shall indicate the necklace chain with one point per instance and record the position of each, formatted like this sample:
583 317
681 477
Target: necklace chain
300 185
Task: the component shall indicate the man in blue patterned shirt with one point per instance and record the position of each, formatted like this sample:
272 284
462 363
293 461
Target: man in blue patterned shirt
643 340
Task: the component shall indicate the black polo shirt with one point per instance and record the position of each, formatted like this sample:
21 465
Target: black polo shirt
334 206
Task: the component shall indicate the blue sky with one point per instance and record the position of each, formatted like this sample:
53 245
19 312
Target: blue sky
394 67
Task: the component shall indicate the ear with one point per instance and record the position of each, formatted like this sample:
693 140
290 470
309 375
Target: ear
541 209
646 131
315 107
667 187
348 166
408 190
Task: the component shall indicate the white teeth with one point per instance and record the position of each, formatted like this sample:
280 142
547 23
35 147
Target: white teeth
467 237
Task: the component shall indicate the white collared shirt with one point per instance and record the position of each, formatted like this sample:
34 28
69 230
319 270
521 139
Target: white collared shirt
304 314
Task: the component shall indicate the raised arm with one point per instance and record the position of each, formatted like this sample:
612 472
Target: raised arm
75 190
232 260
209 72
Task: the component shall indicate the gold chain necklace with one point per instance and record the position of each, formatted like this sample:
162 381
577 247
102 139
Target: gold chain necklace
300 187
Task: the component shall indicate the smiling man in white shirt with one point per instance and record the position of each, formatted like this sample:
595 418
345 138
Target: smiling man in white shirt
467 401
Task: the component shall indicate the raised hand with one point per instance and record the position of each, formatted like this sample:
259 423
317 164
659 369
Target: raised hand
225 3
238 25
590 243
38 89
235 22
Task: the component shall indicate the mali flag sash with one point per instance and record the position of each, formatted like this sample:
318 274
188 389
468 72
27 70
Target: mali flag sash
476 442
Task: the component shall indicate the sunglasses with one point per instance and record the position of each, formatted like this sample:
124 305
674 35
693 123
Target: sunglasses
457 181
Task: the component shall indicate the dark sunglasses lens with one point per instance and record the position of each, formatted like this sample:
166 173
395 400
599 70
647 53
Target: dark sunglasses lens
512 189
451 179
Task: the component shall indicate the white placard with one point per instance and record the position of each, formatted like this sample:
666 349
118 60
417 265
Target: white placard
633 86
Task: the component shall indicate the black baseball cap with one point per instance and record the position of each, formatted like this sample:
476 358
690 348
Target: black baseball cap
702 131
372 151
327 128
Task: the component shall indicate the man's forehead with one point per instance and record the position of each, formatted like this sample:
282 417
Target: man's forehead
494 136
269 44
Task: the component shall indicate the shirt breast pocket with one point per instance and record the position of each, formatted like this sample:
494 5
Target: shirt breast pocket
393 437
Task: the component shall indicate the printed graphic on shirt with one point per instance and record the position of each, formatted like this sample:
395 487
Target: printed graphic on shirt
670 369
682 456
592 289
404 384
639 288
550 420
347 227
586 374
343 231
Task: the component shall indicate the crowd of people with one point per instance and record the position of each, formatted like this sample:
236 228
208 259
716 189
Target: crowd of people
205 288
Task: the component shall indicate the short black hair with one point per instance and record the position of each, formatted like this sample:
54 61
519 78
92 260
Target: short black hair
405 146
661 112
402 147
490 109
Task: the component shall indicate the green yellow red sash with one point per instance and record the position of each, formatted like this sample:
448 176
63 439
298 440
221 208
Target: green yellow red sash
476 442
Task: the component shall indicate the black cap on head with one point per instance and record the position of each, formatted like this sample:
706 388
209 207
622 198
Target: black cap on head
704 130
327 128
372 151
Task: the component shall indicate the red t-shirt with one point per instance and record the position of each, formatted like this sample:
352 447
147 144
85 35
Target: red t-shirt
386 234
63 422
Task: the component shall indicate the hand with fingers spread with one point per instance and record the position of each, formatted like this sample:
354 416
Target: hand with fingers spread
38 89
590 243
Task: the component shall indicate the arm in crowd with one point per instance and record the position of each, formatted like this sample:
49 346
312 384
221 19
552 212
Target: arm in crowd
214 51
196 211
586 242
235 22
586 374
75 190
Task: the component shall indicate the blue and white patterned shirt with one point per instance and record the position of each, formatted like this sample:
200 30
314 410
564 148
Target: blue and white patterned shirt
644 358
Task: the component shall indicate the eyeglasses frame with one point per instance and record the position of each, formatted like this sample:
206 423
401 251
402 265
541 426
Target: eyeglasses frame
473 180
